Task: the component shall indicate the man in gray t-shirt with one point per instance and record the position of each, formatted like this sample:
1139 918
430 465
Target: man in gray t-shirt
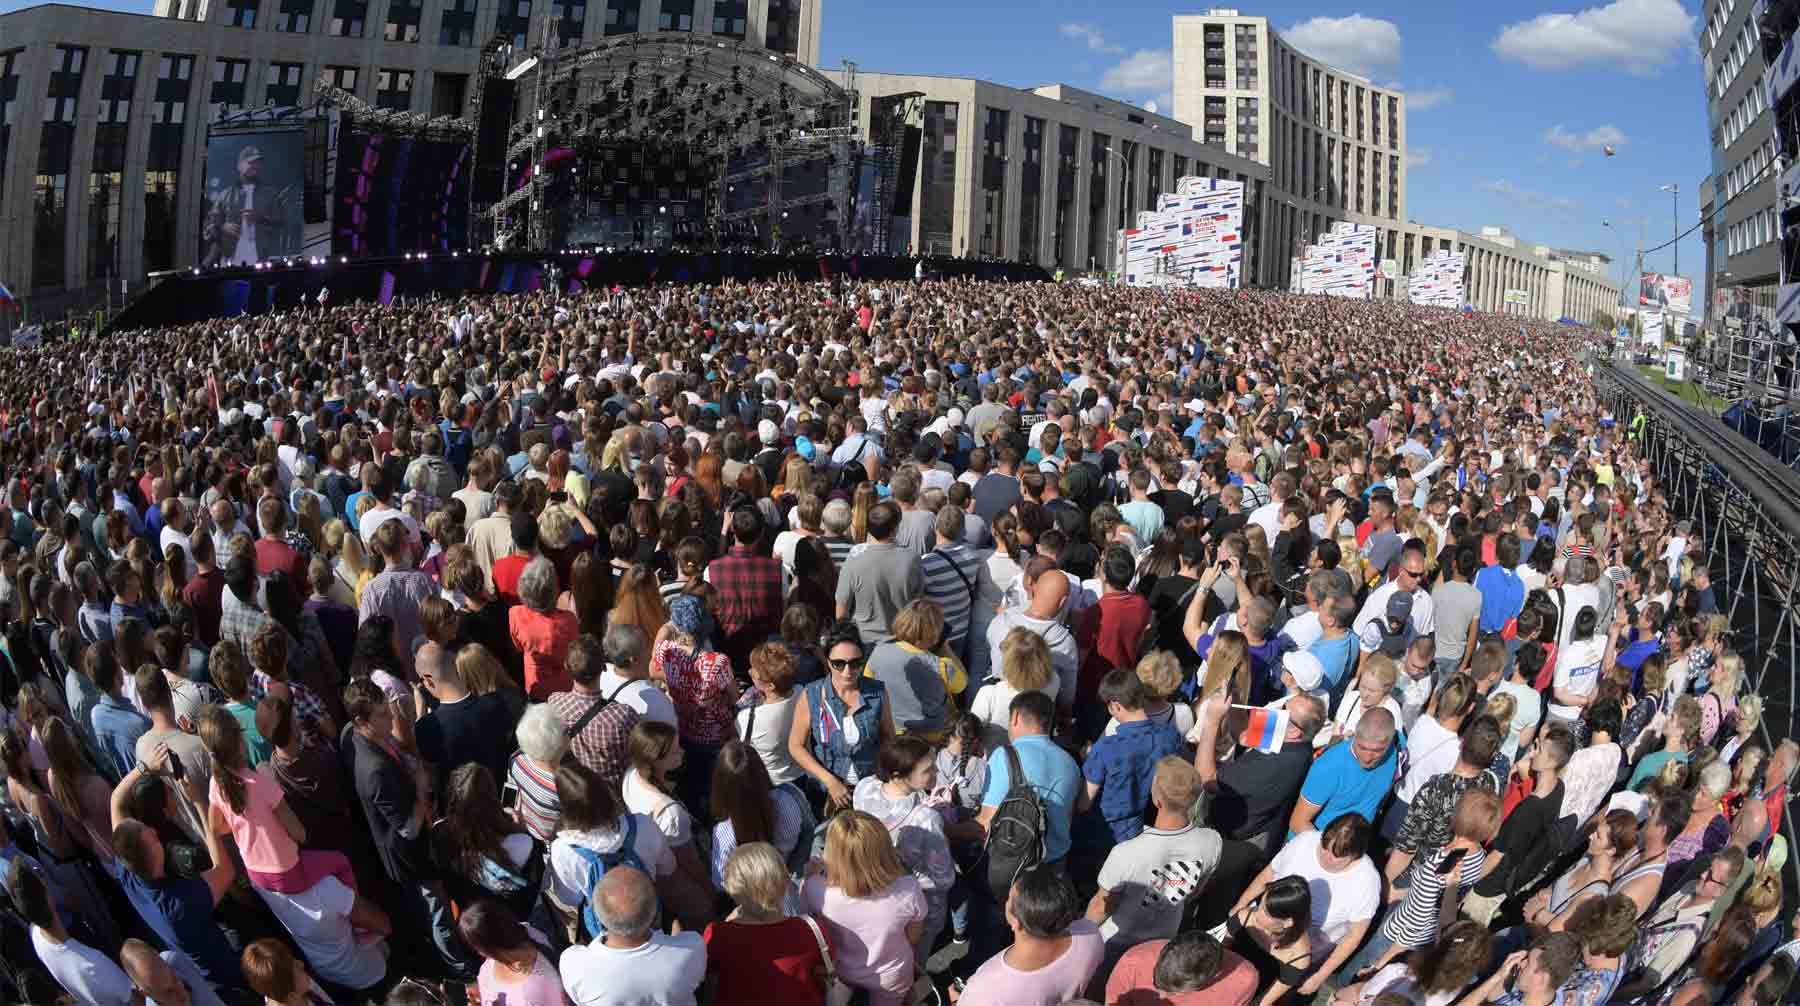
1146 882
1457 606
880 580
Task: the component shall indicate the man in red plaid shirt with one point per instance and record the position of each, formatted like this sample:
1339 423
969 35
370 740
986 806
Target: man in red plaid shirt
751 588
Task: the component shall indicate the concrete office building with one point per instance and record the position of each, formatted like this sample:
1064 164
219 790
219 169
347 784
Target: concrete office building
1051 174
1335 143
1743 243
103 115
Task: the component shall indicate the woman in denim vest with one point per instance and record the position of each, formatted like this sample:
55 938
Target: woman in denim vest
840 722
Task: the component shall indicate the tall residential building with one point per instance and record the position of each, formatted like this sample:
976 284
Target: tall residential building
1744 250
103 115
1335 143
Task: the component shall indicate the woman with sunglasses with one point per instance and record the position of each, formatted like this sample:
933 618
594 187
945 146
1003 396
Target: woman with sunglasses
840 722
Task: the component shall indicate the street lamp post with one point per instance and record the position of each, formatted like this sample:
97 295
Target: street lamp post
1674 192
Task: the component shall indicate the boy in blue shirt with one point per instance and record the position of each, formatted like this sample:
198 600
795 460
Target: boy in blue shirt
1121 766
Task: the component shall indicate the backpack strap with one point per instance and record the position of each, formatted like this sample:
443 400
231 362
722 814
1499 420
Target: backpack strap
594 710
954 568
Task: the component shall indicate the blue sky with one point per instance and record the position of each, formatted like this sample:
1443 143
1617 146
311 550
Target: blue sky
1509 104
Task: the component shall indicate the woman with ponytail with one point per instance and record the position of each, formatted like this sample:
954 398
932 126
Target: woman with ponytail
253 806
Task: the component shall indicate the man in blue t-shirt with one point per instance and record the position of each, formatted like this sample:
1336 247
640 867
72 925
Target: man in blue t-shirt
1351 777
179 910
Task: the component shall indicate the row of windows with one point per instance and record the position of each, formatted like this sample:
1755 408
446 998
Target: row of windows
1757 229
1715 22
1743 116
1725 66
1751 169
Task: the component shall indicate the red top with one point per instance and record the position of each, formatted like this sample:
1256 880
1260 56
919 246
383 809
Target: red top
506 576
1133 981
205 593
1108 636
543 637
771 963
272 555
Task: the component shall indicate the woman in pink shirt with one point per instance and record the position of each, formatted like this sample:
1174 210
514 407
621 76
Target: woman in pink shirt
252 806
872 908
516 969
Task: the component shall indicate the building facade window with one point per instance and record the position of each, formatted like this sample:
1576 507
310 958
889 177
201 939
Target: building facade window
282 83
347 18
228 88
403 17
393 89
621 17
9 110
456 25
1155 179
294 16
241 13
782 33
1100 178
449 92
993 182
730 18
340 76
1068 166
678 15
56 146
112 124
1031 190
937 179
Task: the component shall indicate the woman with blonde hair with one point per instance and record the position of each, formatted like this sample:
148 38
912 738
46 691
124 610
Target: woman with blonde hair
1025 666
1720 701
349 564
872 908
1749 717
1161 674
761 953
860 503
921 676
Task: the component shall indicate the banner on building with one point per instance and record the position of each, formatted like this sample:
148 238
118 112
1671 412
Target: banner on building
1438 280
1193 238
1342 264
1668 293
1516 298
1653 328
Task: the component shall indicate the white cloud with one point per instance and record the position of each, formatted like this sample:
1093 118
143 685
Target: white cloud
1528 199
1637 36
1356 43
1593 139
1431 97
1418 157
1147 71
1092 37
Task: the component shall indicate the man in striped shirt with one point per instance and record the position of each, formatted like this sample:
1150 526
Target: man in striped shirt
951 571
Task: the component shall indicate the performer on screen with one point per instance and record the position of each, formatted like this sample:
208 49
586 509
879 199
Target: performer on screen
248 222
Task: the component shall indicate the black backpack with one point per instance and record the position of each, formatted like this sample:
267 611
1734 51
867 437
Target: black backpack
1015 837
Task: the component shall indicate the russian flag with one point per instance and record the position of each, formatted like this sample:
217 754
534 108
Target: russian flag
6 297
1265 731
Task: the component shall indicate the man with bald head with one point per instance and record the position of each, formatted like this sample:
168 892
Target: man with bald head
1352 777
1046 594
634 961
166 979
1254 792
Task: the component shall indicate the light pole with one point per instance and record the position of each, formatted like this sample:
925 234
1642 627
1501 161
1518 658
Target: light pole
1124 170
1674 192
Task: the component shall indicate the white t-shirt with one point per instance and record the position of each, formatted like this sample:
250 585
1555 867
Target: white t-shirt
770 737
569 872
1528 710
650 701
319 921
1431 750
85 973
1153 875
993 707
670 816
1424 617
1339 900
1577 672
1575 598
665 971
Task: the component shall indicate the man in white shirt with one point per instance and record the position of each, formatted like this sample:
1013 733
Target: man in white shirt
175 532
1146 882
633 962
1409 577
627 675
1268 516
85 973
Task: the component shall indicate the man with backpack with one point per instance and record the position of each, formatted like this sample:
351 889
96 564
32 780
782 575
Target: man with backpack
1026 812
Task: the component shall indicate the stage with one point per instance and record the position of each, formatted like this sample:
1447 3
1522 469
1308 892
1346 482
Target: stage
195 295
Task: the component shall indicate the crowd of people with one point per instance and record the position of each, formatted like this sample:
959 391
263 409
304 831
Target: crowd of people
829 642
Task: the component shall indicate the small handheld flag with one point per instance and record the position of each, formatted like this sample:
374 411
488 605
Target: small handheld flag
1265 730
6 297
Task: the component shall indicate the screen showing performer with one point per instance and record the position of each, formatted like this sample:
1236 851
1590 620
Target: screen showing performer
254 197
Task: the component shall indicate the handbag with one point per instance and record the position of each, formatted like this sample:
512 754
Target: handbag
837 991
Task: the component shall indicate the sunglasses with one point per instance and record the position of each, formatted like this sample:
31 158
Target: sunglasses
844 665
